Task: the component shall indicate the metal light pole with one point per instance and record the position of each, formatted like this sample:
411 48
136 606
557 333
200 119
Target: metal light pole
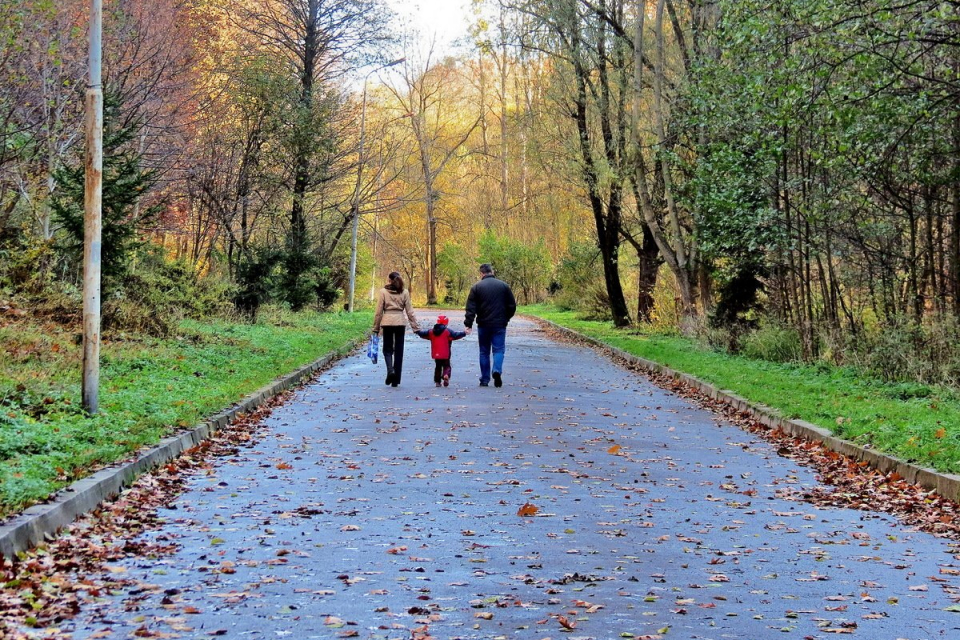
355 204
93 202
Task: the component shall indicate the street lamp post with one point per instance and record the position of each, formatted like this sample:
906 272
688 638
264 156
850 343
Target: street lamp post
92 223
355 204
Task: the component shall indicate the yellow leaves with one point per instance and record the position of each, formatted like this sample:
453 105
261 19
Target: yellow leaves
284 465
941 433
528 510
614 450
397 550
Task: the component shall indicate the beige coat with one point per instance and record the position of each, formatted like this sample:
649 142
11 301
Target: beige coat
391 308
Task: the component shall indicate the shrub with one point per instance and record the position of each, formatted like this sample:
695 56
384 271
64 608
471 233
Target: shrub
907 350
254 275
158 294
578 283
26 264
526 268
772 342
457 267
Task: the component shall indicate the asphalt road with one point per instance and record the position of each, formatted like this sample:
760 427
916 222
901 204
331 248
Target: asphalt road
373 512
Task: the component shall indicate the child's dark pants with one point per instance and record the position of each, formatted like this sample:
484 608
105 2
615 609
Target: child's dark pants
441 368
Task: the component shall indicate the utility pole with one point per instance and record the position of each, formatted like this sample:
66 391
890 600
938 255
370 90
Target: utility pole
92 206
355 204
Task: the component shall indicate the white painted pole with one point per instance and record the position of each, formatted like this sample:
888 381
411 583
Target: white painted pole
93 201
355 204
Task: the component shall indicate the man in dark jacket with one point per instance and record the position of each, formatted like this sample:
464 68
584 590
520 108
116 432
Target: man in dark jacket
491 304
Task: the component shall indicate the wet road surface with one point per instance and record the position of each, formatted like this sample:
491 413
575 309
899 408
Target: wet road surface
376 512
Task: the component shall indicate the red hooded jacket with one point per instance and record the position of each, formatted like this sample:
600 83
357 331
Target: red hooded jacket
440 338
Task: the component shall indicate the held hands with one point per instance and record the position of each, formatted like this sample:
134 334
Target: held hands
468 330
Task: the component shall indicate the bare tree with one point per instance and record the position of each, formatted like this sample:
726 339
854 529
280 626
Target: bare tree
428 99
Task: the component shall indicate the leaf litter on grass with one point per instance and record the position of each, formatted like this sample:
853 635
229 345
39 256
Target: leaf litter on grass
47 586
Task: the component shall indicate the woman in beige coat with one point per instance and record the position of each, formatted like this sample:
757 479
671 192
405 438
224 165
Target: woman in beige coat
393 310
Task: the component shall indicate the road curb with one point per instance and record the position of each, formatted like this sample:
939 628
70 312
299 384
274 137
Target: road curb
42 521
944 484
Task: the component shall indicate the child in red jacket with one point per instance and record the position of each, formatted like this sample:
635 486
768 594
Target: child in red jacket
440 338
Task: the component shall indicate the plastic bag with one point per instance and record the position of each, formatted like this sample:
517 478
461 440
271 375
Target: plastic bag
373 348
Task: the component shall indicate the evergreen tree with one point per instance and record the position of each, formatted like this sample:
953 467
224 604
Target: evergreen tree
125 182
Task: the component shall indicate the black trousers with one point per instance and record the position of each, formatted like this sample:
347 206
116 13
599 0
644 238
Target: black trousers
393 350
441 367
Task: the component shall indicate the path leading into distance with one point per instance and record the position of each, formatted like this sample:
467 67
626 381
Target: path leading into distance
373 512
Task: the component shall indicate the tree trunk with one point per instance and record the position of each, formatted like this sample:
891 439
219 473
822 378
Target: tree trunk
648 255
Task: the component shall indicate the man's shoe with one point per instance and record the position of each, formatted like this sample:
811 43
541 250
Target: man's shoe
389 379
484 384
497 380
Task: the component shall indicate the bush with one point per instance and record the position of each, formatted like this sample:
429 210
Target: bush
525 268
254 275
158 294
905 350
578 283
26 265
458 268
772 342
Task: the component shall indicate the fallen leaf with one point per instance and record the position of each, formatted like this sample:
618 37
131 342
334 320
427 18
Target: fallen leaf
528 510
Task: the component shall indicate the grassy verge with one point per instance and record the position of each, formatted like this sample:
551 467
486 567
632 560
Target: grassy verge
913 422
149 389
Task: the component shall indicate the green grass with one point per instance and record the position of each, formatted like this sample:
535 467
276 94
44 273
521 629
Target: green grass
149 388
913 422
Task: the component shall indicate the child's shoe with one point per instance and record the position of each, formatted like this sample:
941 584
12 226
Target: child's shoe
446 380
438 384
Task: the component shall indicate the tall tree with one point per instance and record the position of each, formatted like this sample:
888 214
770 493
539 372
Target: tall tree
316 41
591 85
428 101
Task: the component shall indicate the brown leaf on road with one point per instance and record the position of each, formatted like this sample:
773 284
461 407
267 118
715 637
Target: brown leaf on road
565 623
615 449
528 510
284 465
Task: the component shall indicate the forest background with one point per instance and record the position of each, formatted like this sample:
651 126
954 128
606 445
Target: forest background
779 180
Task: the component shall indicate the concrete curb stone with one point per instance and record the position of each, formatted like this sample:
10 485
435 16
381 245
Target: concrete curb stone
944 484
43 521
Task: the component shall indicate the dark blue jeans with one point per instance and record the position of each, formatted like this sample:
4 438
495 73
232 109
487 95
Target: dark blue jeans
494 339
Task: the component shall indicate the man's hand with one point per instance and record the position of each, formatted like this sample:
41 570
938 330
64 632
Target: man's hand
468 330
